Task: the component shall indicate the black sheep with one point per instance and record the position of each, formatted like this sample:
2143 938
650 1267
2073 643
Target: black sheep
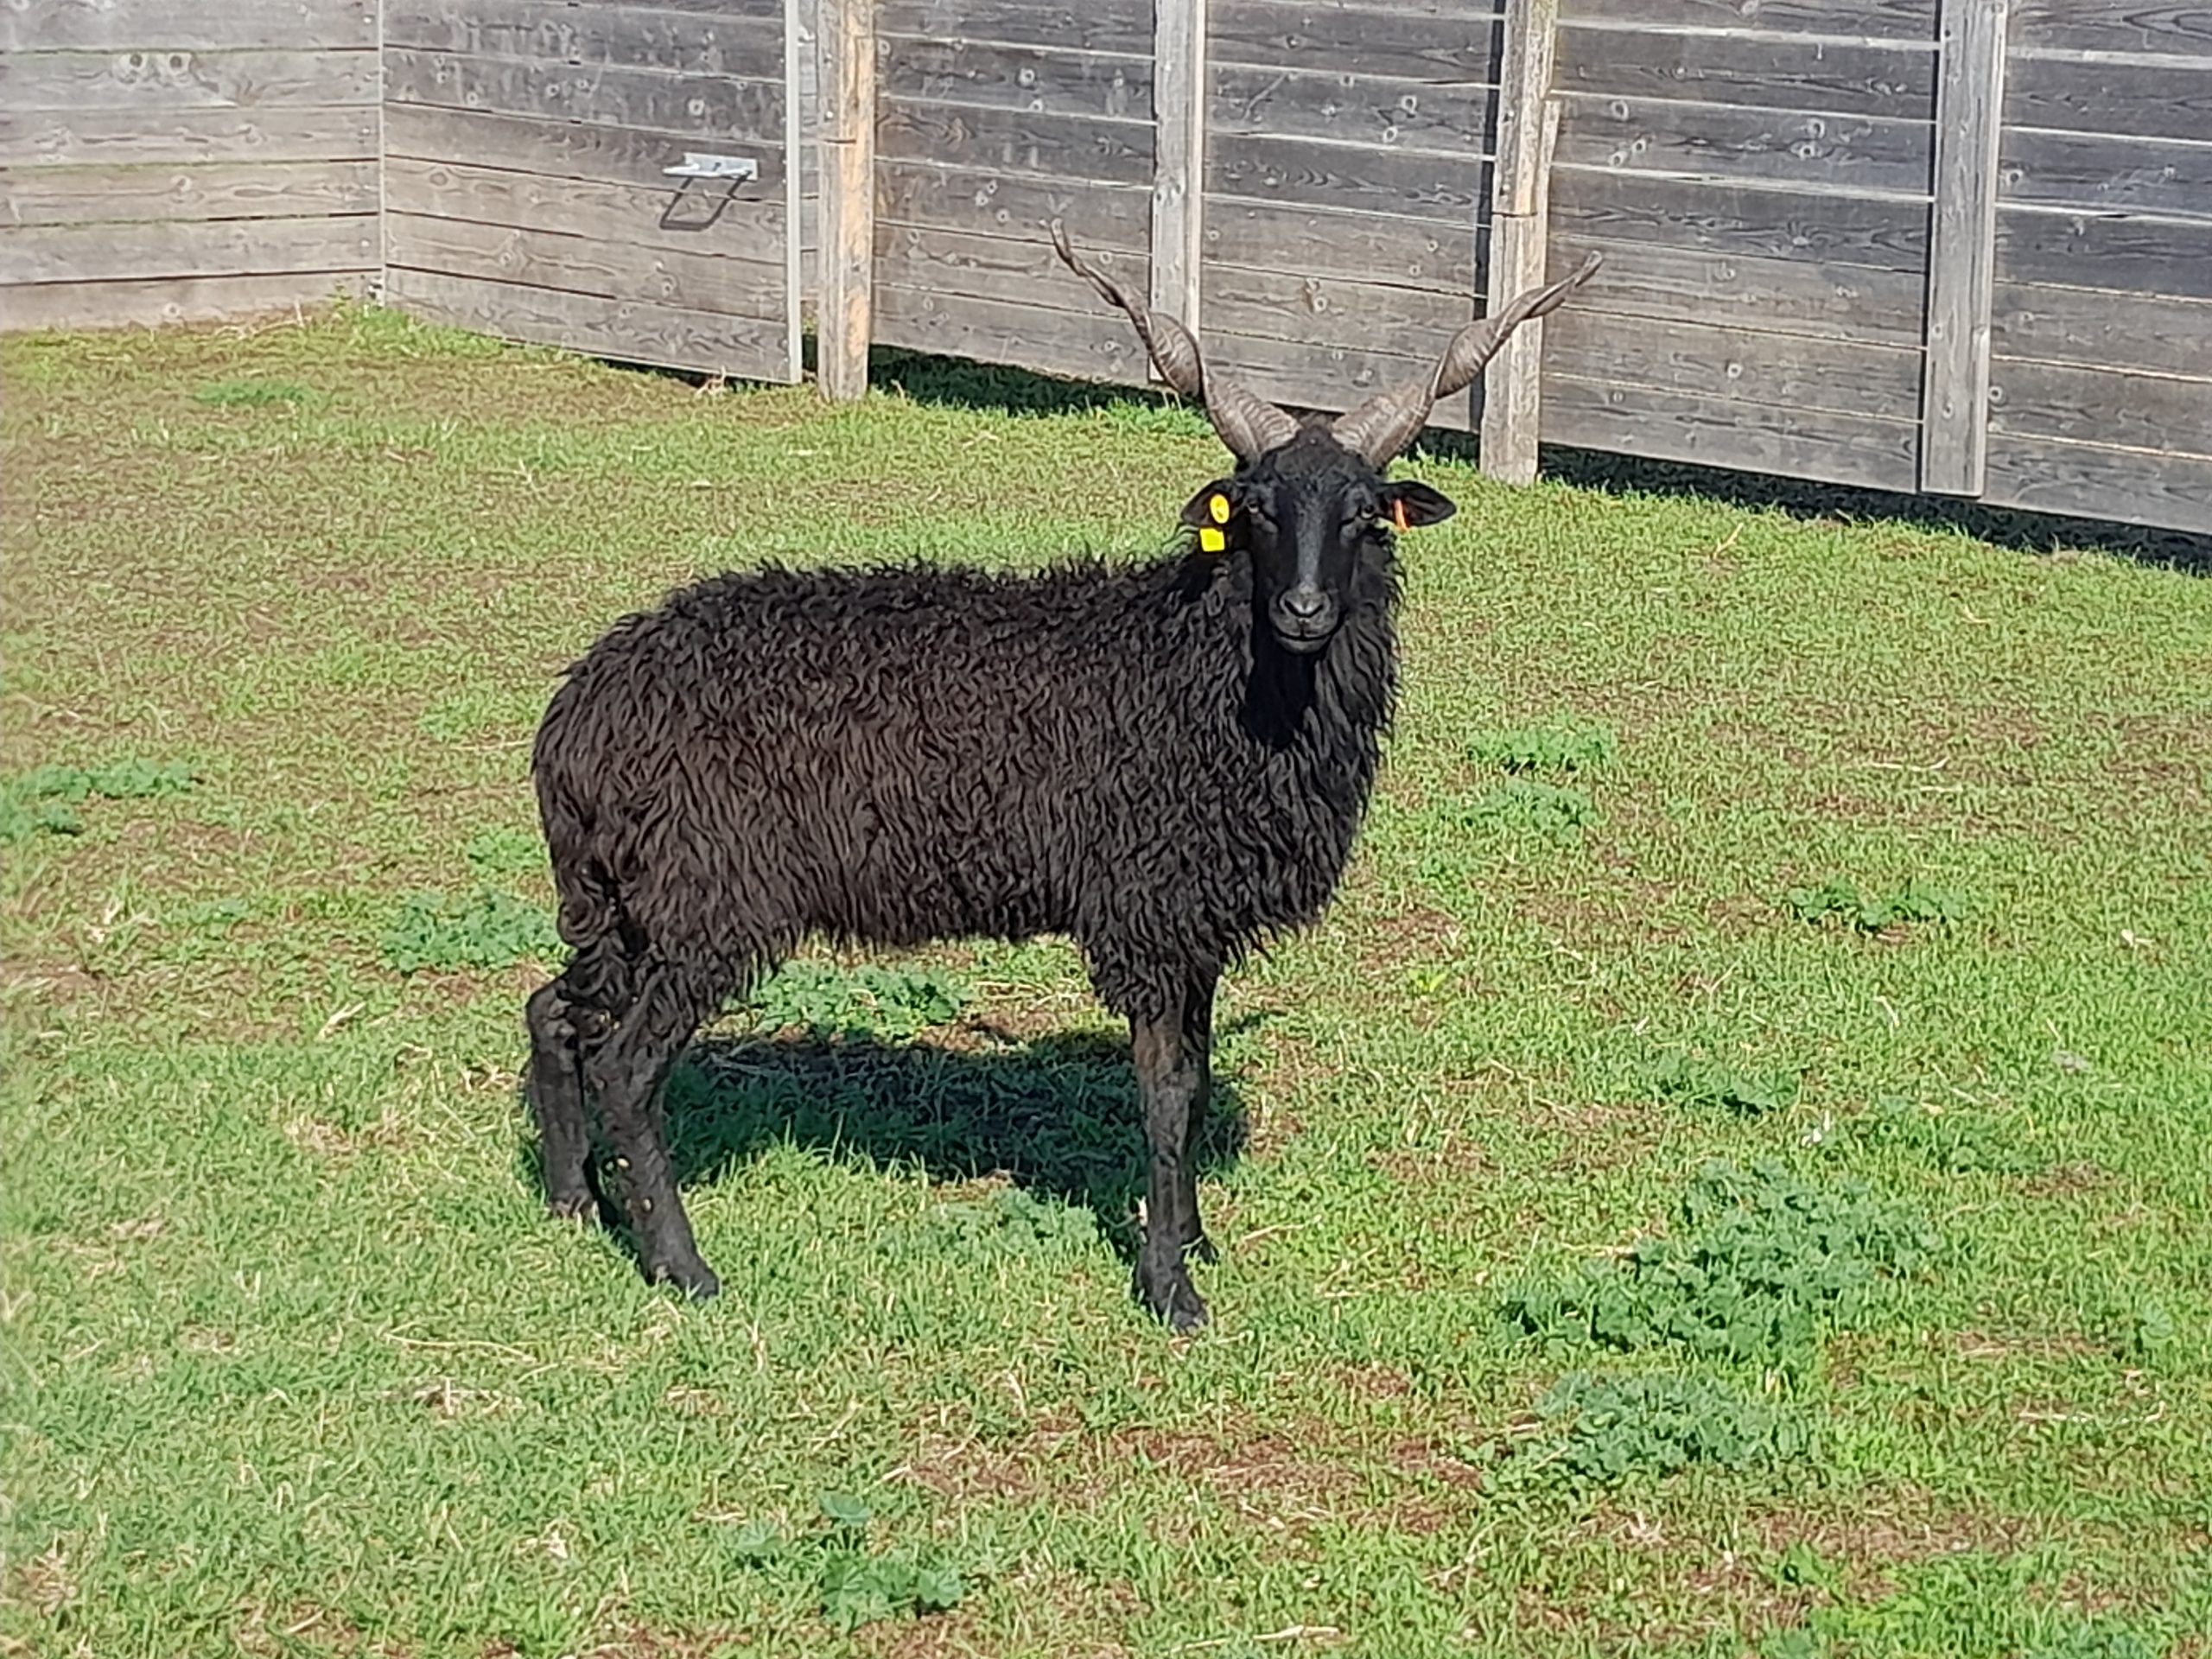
1165 762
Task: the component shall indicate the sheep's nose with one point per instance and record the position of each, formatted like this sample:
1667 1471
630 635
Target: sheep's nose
1305 604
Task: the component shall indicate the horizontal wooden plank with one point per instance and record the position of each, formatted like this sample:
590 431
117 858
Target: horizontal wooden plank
2141 99
1021 270
238 247
1329 379
622 331
724 9
1343 108
1100 216
1332 311
1015 141
1366 247
2136 254
112 136
558 148
2132 486
611 268
189 25
1365 179
2077 169
1741 219
85 195
1781 295
701 222
1821 445
1714 359
729 42
1725 141
1110 26
157 81
1900 20
1758 67
1035 78
742 115
2061 400
162 301
1457 44
1093 343
2112 26
2102 329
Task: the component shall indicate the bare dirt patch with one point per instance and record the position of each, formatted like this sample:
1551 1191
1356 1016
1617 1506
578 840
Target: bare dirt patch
1883 1530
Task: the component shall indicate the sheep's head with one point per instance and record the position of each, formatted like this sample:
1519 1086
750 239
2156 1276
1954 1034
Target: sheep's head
1308 501
1308 513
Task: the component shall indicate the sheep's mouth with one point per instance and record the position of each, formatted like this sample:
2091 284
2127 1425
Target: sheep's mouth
1303 641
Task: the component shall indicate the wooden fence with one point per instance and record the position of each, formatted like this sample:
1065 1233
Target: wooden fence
527 184
1963 246
164 160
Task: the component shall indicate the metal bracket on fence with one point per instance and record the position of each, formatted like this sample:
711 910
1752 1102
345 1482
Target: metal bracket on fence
730 171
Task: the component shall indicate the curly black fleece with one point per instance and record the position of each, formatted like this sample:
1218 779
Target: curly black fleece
900 755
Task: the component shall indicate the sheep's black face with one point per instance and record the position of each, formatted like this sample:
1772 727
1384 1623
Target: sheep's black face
1308 513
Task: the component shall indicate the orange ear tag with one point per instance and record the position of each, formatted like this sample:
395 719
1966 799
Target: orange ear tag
1212 540
1398 512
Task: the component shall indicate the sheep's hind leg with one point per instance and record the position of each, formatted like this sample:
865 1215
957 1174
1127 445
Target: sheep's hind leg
556 1100
1171 1075
1198 1048
626 1071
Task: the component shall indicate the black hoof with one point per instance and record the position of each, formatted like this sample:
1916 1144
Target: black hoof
573 1206
1174 1300
692 1277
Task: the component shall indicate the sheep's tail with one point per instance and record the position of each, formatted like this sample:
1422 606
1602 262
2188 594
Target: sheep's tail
589 918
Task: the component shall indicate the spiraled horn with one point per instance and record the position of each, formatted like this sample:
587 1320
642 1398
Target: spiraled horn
1380 429
1247 424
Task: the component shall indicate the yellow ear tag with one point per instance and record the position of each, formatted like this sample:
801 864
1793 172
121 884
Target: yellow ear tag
1219 508
1398 512
1211 540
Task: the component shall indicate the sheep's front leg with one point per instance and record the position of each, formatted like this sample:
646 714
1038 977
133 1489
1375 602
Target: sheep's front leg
1171 1089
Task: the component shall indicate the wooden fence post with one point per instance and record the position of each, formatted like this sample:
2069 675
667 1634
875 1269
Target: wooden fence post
1179 102
844 310
1527 129
1962 247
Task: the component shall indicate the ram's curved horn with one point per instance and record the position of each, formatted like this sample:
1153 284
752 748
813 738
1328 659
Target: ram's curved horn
1249 423
1380 429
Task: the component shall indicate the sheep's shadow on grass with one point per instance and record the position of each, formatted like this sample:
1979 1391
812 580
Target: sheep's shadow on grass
1057 1114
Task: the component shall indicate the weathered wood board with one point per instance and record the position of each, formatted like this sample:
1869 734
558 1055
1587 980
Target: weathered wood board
1760 67
1901 20
2138 486
213 190
155 301
627 331
1826 446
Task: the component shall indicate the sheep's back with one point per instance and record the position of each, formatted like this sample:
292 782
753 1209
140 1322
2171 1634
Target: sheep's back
882 756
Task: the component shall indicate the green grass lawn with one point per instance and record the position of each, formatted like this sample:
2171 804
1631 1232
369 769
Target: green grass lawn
1730 1176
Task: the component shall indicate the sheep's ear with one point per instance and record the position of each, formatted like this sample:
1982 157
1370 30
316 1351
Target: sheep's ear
1212 513
1410 506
